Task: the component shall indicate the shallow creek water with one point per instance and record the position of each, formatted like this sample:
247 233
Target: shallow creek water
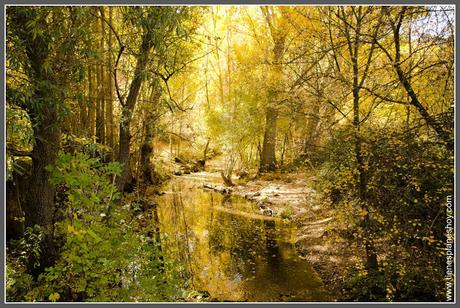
229 249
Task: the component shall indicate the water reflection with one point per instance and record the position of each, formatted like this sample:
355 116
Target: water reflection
231 252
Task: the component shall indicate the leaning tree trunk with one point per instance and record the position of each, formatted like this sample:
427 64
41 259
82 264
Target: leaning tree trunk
404 78
127 111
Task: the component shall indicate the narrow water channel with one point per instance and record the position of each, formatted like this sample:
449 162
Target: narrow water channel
229 249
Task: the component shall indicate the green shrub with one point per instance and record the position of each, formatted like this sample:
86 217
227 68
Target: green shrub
286 212
106 255
408 178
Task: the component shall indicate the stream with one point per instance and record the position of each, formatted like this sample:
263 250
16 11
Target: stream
229 249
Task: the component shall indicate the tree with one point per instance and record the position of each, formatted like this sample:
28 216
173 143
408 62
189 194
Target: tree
396 23
278 36
44 40
154 23
351 26
151 116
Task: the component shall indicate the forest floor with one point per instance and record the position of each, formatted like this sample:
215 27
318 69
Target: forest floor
291 196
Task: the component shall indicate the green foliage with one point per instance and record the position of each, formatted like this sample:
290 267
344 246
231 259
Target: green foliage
87 180
29 245
22 258
19 137
407 181
18 129
394 282
106 256
366 285
338 175
286 212
42 54
72 143
162 25
18 282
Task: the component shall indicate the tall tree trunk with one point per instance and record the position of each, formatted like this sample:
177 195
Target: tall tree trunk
109 129
91 102
100 108
40 206
205 151
147 146
147 150
268 154
268 157
98 104
128 108
284 146
178 138
311 132
353 47
83 115
43 114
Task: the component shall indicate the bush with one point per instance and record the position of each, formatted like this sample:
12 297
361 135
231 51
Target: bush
286 212
106 254
407 180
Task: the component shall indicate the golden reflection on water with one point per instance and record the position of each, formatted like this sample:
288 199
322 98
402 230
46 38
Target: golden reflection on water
226 248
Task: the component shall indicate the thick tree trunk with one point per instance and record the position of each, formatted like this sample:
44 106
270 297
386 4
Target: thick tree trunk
43 114
268 154
268 157
311 132
147 152
41 204
40 207
14 212
147 147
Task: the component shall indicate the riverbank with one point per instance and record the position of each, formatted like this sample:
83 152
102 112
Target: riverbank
291 196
